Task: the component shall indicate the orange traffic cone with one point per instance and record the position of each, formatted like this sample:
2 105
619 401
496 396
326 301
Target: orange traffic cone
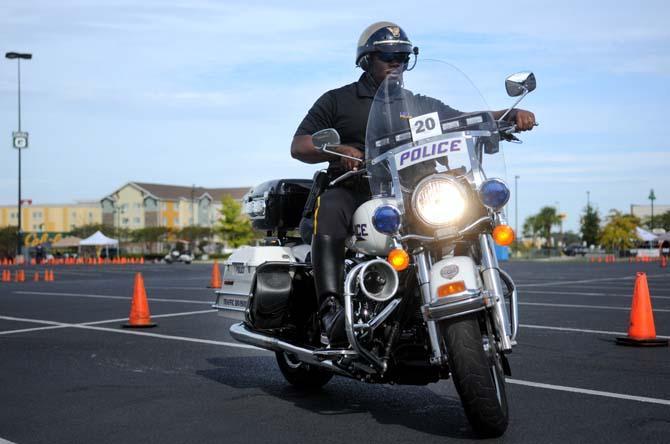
139 309
36 278
664 262
51 275
22 275
6 276
641 330
216 276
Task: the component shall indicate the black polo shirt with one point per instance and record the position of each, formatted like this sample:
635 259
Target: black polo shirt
345 109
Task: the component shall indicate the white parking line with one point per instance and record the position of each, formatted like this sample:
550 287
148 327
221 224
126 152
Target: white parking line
588 392
575 293
103 296
36 321
179 288
156 335
581 330
614 286
601 307
24 330
169 315
625 278
55 325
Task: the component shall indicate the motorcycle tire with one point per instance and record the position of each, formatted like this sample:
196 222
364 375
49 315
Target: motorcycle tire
300 375
479 380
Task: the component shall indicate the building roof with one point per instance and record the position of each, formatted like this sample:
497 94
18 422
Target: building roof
218 193
176 192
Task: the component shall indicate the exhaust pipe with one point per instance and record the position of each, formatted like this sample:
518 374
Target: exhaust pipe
243 334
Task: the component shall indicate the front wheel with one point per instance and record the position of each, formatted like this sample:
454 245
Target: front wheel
301 375
478 376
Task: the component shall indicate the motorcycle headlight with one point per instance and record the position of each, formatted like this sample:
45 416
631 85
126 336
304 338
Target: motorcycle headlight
438 201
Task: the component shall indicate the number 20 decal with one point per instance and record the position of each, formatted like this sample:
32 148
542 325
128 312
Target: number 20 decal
423 125
427 125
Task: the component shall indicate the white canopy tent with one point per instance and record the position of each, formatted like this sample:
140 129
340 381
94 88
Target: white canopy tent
98 239
645 235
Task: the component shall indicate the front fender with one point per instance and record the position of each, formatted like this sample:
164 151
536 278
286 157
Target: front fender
448 271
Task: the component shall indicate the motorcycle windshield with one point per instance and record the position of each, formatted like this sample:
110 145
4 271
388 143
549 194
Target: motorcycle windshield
427 121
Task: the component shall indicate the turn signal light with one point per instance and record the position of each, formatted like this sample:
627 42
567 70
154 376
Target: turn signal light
399 259
503 235
450 288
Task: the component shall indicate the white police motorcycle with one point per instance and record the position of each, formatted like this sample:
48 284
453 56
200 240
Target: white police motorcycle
424 296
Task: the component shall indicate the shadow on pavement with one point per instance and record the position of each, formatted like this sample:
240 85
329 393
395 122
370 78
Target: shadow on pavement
414 407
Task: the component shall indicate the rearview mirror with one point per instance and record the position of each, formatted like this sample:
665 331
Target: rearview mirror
520 83
326 137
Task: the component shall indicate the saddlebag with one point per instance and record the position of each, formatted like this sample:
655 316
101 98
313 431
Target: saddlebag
279 296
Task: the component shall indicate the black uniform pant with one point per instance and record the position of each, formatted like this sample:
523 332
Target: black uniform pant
335 210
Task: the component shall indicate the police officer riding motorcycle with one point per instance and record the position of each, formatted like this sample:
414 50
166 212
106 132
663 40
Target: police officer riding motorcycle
403 284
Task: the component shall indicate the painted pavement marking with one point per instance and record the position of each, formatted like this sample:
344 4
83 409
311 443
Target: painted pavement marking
588 392
583 281
103 296
601 307
55 325
581 330
580 293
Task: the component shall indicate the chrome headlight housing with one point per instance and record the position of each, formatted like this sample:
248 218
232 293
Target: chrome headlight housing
439 200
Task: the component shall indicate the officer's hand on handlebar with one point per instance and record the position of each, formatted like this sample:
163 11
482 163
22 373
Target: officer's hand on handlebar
349 164
525 120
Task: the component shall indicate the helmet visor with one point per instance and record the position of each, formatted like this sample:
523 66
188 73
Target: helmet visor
390 57
392 46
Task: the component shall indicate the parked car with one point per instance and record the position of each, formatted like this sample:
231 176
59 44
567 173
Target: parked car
575 249
178 256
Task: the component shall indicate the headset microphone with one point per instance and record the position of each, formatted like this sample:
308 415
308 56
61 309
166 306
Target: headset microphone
415 51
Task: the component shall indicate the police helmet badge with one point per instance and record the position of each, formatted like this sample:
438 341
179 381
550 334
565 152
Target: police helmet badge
394 30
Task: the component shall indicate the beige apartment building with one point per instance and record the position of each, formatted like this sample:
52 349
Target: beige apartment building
134 205
644 211
139 205
58 218
42 222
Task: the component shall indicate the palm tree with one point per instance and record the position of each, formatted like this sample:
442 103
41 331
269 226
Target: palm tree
545 219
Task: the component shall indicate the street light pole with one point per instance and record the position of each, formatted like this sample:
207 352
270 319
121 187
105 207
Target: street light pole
588 199
652 198
20 140
516 208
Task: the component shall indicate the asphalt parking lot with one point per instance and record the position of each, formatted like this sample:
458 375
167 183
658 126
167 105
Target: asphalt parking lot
69 373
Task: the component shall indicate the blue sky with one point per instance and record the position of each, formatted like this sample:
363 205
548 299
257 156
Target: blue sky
210 92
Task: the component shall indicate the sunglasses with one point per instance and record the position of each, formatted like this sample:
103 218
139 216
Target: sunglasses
389 57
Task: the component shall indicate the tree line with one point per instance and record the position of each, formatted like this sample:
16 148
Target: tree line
617 233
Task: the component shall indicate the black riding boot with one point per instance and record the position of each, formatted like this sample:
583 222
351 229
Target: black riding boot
328 263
